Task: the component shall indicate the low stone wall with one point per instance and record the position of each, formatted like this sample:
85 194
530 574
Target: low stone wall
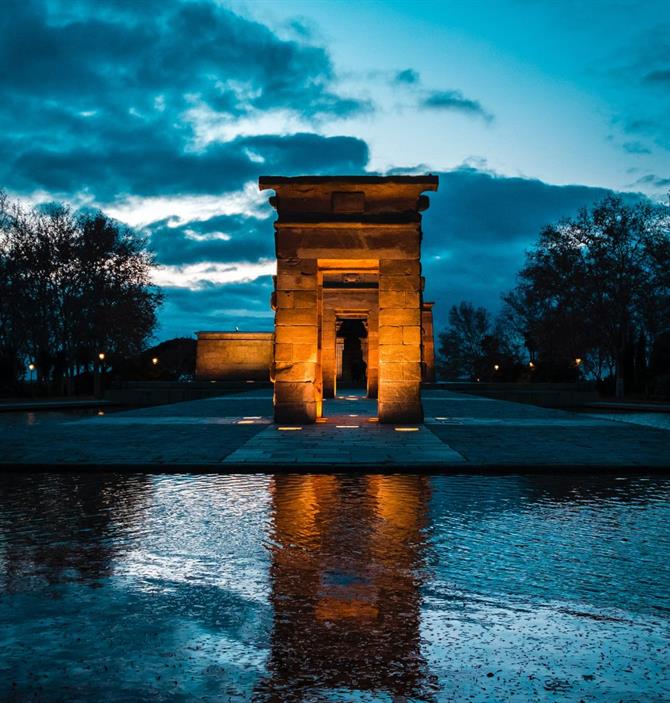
547 395
166 392
234 356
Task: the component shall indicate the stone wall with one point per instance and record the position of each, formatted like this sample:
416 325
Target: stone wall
234 356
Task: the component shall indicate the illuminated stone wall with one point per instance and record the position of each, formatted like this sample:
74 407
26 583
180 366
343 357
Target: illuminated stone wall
358 225
428 339
234 356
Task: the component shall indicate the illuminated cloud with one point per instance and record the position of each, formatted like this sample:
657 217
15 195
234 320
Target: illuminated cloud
198 276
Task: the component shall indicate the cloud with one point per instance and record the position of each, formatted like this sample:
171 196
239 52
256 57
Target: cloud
653 180
479 226
660 77
217 307
102 100
455 101
635 148
407 77
197 276
220 239
155 166
655 128
476 232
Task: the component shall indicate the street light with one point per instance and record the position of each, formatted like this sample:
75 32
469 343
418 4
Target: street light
31 366
154 361
496 367
578 361
531 365
98 371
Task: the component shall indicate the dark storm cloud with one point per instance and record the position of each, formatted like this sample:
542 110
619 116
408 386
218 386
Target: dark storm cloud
251 239
253 295
476 232
155 166
170 49
480 225
455 101
95 98
218 307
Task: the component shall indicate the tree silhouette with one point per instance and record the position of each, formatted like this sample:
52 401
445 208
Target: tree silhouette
594 285
71 287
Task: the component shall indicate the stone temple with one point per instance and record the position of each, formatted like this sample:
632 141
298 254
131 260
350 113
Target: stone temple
348 299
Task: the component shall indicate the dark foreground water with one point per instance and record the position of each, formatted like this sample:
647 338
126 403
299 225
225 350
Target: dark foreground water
331 588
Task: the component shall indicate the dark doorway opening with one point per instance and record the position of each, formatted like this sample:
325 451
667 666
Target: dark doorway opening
352 348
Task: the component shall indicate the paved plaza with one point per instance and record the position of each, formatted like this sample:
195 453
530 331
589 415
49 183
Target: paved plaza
236 433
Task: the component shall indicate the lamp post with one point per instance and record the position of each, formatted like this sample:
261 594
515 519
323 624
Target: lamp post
154 361
99 370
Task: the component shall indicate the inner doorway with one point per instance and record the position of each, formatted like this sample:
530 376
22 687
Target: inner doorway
352 355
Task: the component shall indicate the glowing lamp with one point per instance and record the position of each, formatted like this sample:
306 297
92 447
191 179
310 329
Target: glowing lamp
101 356
154 361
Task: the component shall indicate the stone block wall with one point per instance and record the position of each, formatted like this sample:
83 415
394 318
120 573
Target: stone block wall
400 340
234 356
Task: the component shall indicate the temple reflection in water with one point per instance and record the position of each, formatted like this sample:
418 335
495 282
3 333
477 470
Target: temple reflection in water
347 561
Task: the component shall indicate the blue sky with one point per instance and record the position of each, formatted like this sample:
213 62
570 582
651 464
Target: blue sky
164 113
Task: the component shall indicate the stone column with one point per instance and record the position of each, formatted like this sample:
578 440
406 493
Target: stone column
373 352
296 386
400 341
428 339
328 354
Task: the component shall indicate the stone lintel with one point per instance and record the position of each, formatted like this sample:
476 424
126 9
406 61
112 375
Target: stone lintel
346 198
401 242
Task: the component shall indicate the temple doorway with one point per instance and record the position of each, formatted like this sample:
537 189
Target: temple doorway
352 354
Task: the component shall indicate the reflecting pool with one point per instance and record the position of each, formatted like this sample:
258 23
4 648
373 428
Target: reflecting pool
334 588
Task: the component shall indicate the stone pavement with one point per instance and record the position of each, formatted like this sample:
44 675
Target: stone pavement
235 433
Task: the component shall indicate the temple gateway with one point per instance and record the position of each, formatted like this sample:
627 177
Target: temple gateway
348 299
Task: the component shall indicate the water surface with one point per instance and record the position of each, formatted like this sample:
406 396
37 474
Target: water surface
334 588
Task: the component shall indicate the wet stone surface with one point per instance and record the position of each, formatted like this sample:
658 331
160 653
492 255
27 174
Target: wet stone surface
333 588
236 431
